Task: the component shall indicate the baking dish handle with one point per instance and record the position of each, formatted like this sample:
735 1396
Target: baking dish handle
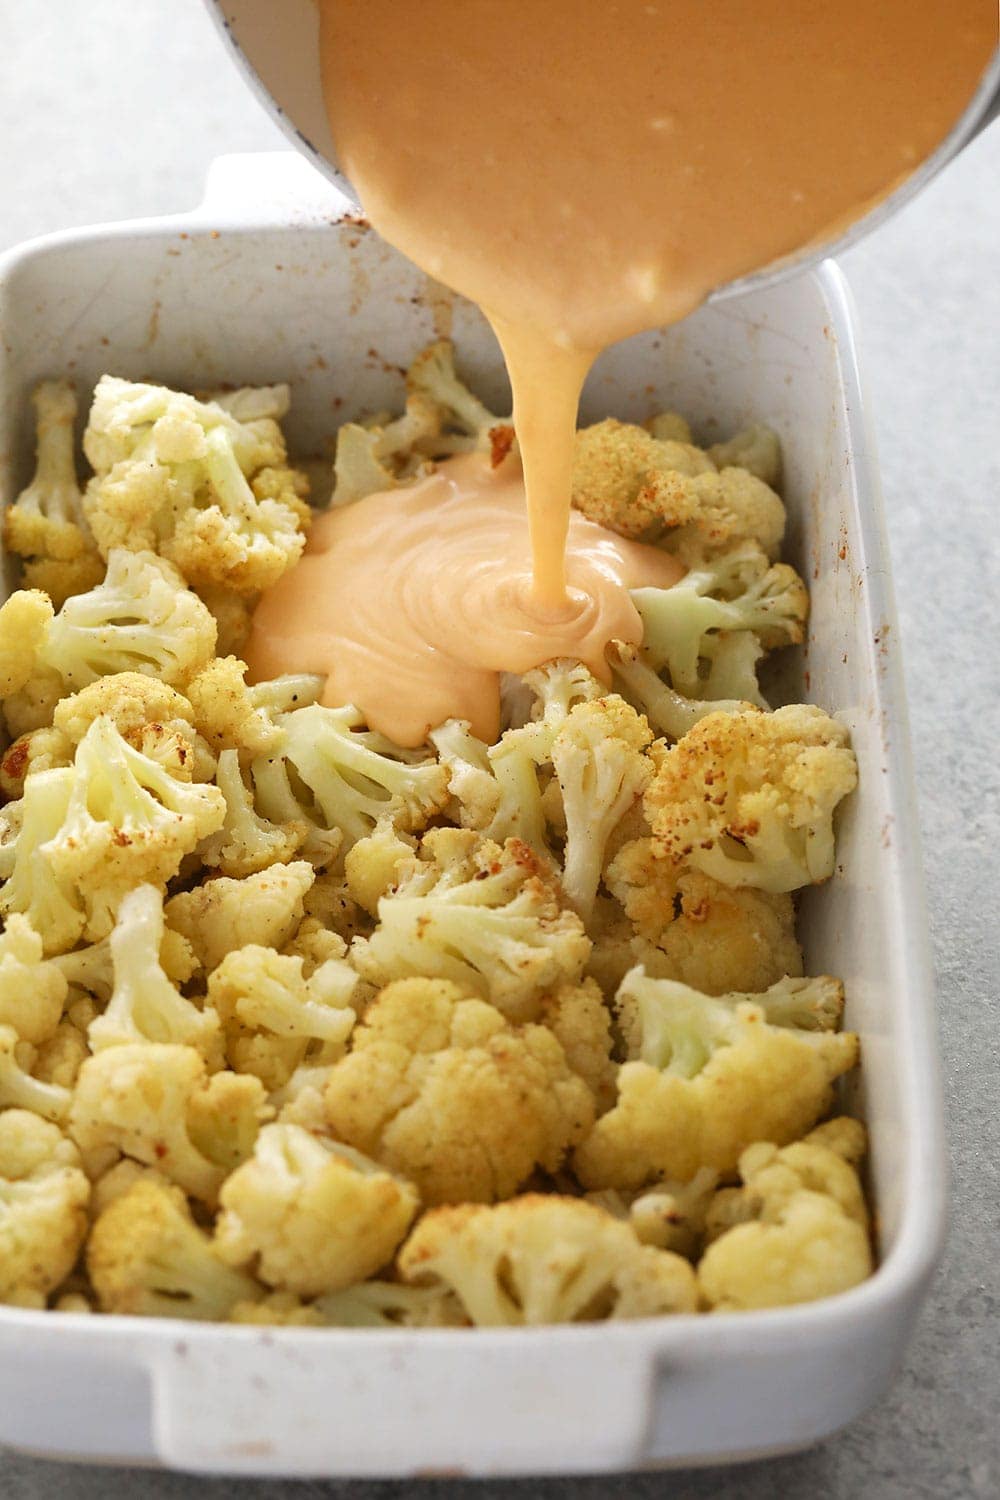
277 1402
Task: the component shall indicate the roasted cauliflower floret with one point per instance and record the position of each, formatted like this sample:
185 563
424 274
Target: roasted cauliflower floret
141 618
749 798
25 621
247 843
46 519
181 477
155 1103
756 448
228 713
444 1090
32 989
462 421
43 1208
311 1215
19 1088
32 884
799 1229
132 701
599 762
487 918
581 1023
146 1006
714 937
129 818
706 1078
671 492
545 1259
272 1015
354 777
224 914
147 1257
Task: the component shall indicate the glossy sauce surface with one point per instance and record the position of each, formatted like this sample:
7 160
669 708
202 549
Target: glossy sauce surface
585 169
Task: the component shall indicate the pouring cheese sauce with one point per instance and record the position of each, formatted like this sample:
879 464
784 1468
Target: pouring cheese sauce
583 170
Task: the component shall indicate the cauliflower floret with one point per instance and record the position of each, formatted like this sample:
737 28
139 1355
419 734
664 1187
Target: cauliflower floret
714 937
463 422
19 1088
671 1216
381 453
581 1023
155 1103
712 609
46 519
174 475
145 1006
354 776
43 1208
129 819
147 1257
224 914
233 616
311 1215
602 773
38 750
228 713
25 620
132 701
32 989
709 1077
272 1013
671 492
545 1259
141 618
369 1304
755 448
749 798
487 918
670 427
33 884
799 1230
61 579
372 866
444 1090
247 843
669 711
250 403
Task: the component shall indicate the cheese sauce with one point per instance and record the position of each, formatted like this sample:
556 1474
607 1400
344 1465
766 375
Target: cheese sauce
583 170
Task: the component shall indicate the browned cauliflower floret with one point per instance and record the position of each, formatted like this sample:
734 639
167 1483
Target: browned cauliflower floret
797 1230
43 1208
545 1259
156 1104
711 1075
713 937
46 519
489 919
311 1215
447 1092
38 750
223 914
749 798
132 701
227 712
174 475
671 492
147 1257
581 1023
61 578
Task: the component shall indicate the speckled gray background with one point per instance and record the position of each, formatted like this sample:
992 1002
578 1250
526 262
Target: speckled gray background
113 108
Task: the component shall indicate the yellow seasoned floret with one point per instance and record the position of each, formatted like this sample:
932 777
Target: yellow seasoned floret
602 771
155 1103
445 1091
797 1230
670 1215
147 1257
369 1304
38 750
545 1259
25 619
671 492
487 918
228 713
145 1005
19 1086
175 475
46 519
61 578
132 701
32 989
708 1076
310 1215
43 1208
714 937
273 1015
130 818
247 843
32 884
223 914
749 798
581 1023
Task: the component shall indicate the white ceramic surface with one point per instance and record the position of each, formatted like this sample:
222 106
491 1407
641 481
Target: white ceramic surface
267 281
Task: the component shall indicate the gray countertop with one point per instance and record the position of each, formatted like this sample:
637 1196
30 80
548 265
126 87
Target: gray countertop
114 108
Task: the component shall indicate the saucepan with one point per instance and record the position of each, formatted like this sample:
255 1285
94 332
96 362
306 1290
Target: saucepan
277 50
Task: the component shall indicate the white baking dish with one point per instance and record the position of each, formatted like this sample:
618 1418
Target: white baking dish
267 281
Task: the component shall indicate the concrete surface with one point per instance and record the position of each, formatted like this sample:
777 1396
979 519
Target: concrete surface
114 108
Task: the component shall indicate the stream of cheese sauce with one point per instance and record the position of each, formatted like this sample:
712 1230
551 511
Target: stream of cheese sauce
583 170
